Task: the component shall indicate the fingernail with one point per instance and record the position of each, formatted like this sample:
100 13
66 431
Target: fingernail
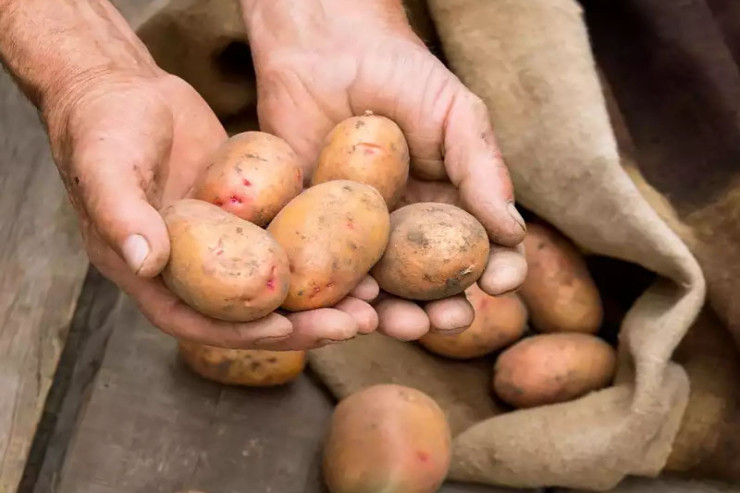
326 342
506 279
135 251
516 216
450 332
267 341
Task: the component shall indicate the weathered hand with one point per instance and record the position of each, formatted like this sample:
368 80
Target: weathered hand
125 147
316 67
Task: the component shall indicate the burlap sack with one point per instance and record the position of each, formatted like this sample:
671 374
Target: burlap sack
532 63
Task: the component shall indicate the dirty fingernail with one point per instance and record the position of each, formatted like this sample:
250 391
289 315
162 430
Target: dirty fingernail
516 215
135 251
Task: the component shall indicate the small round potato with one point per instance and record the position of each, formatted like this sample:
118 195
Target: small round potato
223 266
559 291
434 251
550 368
247 367
499 321
252 175
387 438
368 149
333 233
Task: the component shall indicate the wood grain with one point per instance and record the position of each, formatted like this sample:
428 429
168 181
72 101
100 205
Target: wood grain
42 267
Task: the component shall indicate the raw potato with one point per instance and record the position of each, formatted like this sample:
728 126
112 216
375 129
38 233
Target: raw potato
499 321
550 368
223 266
559 291
247 367
333 234
387 438
435 251
252 175
368 149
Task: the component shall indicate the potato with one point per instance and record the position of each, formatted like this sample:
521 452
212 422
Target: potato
499 321
247 367
368 149
550 368
223 266
434 251
559 291
387 438
252 175
333 234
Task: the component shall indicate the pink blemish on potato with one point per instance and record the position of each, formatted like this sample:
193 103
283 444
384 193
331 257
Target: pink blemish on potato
350 225
247 183
423 456
271 280
220 252
234 199
370 148
316 290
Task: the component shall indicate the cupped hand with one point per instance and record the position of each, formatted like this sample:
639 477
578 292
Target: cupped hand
127 146
305 87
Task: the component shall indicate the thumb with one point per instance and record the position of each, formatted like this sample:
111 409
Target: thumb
111 191
475 166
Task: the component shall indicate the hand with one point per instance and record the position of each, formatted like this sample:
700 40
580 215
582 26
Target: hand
125 147
315 69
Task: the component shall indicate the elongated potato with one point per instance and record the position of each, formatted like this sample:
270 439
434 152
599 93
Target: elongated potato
223 266
499 321
247 367
550 368
387 438
252 175
333 234
559 291
368 149
434 251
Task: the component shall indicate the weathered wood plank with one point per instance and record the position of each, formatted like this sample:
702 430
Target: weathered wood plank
42 267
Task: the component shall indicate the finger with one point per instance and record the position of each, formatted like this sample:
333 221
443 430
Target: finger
111 170
367 290
401 319
315 328
450 315
364 314
168 313
505 271
474 164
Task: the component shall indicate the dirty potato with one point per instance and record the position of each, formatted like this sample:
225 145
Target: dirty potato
434 251
333 233
247 367
387 438
368 149
550 368
223 266
252 175
499 321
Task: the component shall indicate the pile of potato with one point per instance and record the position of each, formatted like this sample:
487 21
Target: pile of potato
252 240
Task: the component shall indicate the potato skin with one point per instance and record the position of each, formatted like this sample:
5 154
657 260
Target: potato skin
333 233
252 175
244 367
223 266
559 291
499 321
550 368
387 438
434 251
368 149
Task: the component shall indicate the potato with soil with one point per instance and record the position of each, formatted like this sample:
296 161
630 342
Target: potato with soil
387 438
333 233
223 266
434 251
252 175
559 291
246 367
368 149
499 321
551 368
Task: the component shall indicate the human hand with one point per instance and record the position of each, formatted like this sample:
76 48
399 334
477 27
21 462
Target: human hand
327 60
126 147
